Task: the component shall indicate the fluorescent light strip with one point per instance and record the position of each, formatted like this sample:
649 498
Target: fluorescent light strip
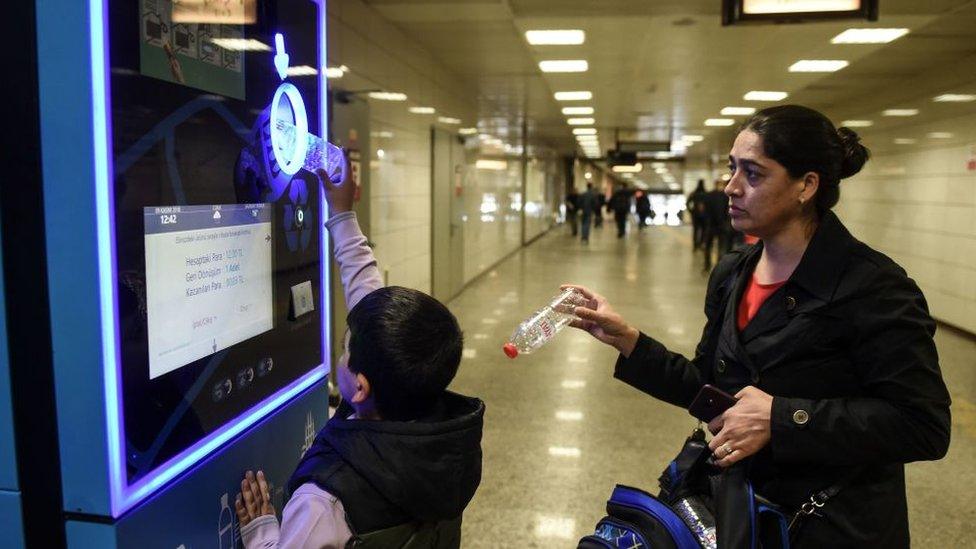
905 141
856 123
692 138
818 65
468 131
241 44
580 121
336 72
564 65
577 110
623 168
301 70
738 111
954 98
495 165
765 96
868 36
719 122
940 135
900 112
555 37
448 120
563 451
584 131
422 110
388 96
573 96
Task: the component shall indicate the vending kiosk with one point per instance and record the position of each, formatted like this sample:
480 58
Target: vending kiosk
187 263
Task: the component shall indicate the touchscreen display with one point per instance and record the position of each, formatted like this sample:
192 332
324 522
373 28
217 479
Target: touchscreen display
214 240
208 280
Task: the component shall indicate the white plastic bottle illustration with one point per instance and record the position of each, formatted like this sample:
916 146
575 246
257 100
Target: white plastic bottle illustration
544 324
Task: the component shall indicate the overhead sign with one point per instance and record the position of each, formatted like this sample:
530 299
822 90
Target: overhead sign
781 11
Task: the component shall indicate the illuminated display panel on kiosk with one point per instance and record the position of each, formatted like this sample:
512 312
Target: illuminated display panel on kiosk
218 249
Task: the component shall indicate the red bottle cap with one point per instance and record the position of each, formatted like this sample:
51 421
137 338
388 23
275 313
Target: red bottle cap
510 350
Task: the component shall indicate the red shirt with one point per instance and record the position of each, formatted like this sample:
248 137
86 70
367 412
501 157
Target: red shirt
752 299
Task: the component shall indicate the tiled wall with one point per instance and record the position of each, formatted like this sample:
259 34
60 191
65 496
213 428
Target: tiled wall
380 56
543 194
917 204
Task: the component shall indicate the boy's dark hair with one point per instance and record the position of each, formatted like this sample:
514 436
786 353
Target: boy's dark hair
408 345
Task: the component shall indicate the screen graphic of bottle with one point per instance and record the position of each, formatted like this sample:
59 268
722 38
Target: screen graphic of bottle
293 145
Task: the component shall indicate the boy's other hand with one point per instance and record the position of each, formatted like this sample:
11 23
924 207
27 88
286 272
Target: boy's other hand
600 320
254 500
340 197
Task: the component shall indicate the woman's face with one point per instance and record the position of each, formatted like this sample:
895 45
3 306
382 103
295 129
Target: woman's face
763 198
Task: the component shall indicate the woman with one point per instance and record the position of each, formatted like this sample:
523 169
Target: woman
826 343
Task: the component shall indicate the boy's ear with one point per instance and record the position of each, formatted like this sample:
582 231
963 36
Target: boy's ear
363 390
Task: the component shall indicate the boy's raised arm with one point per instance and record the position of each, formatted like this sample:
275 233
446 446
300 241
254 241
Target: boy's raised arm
357 266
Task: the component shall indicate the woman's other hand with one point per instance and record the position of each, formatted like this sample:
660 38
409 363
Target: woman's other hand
340 197
743 429
254 499
600 320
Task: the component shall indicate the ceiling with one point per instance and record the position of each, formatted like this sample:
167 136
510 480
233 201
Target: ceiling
660 68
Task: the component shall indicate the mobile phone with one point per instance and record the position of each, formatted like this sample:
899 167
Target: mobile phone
710 402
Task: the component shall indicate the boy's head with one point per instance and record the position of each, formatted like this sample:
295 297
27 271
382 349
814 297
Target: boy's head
402 349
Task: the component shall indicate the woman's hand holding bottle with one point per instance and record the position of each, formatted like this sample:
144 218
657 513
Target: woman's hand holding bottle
600 320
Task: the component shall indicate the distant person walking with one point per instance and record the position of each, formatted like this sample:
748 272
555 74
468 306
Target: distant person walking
601 202
572 210
620 205
696 209
642 203
588 205
718 226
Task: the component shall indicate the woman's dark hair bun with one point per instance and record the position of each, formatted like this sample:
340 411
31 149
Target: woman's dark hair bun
855 154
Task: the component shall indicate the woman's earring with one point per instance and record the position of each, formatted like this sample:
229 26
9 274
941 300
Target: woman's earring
801 201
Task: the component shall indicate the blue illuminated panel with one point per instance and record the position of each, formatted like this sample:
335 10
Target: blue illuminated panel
130 482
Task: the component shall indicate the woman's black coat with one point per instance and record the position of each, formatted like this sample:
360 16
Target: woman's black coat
845 347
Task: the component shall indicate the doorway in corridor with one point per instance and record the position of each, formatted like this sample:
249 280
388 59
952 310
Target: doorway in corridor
448 169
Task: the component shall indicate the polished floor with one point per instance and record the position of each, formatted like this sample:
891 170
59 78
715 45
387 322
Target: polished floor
560 431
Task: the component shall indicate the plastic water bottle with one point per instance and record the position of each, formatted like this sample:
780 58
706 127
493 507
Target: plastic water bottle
320 154
545 323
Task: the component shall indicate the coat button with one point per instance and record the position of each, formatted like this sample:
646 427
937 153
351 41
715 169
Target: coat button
721 366
790 303
800 417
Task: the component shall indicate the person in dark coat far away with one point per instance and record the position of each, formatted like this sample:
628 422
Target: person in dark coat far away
572 210
620 206
718 226
588 205
696 210
826 343
642 203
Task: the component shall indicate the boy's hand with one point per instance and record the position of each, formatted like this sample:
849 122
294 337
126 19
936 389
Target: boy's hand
339 196
254 499
600 320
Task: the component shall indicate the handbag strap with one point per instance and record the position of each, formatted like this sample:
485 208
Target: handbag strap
817 501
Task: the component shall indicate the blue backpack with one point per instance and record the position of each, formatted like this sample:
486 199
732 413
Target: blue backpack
740 518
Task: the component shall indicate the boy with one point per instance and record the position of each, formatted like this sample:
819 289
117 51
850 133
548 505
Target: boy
401 458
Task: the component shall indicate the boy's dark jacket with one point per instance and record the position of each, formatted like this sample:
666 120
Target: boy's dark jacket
402 484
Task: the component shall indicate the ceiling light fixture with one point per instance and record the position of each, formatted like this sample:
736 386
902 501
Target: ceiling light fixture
333 73
905 141
737 111
584 131
765 96
580 121
954 98
900 112
940 135
577 110
573 96
818 65
856 123
555 37
868 36
719 122
468 131
241 44
692 138
301 70
422 110
388 96
623 168
564 65
448 120
496 165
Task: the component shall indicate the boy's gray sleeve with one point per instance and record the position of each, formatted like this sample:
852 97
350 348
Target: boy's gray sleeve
313 518
357 266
